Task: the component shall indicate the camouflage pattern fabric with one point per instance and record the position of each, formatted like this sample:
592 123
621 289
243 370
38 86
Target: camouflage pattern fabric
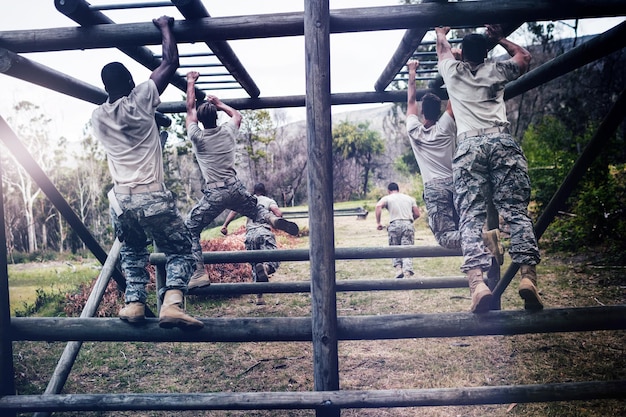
442 216
493 165
261 238
213 202
401 232
152 215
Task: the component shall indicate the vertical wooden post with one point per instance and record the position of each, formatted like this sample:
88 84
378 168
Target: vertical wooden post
7 372
320 181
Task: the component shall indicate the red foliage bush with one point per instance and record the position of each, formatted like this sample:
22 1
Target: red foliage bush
236 272
112 301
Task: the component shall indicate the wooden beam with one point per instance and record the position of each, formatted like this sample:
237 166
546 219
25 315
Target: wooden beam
503 394
7 371
17 66
320 197
299 329
595 48
25 159
81 12
404 251
344 285
194 9
70 353
409 43
425 15
300 100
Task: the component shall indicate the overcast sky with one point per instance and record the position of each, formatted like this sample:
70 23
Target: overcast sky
276 64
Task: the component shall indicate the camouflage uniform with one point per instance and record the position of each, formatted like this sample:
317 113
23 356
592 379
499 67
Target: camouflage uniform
152 214
493 164
260 237
401 232
442 216
213 202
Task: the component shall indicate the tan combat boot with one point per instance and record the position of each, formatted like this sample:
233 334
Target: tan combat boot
480 292
528 288
173 315
283 224
491 239
133 312
200 277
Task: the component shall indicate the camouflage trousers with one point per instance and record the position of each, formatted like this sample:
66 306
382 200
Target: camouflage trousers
442 216
261 238
152 215
493 166
213 202
401 232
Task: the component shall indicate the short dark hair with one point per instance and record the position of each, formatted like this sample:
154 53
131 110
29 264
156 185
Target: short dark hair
259 188
207 114
474 48
393 187
116 79
431 106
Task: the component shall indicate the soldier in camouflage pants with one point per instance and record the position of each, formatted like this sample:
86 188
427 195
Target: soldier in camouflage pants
493 165
260 237
154 214
488 163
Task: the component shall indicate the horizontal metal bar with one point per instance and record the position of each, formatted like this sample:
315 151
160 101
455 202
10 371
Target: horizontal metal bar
207 65
217 82
191 55
125 6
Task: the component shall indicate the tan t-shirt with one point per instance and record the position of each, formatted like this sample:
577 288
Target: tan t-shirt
215 150
478 95
400 206
130 136
433 146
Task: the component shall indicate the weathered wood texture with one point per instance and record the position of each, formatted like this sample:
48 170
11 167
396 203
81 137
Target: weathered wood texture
7 371
17 66
408 44
425 15
25 159
320 199
381 284
573 391
299 329
194 9
600 46
79 11
304 254
70 353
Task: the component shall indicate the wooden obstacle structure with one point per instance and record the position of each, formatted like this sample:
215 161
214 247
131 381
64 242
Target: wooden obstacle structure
323 329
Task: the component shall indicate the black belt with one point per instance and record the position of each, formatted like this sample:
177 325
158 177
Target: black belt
485 131
218 184
141 188
401 220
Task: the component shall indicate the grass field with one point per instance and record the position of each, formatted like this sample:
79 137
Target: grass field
51 277
565 281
